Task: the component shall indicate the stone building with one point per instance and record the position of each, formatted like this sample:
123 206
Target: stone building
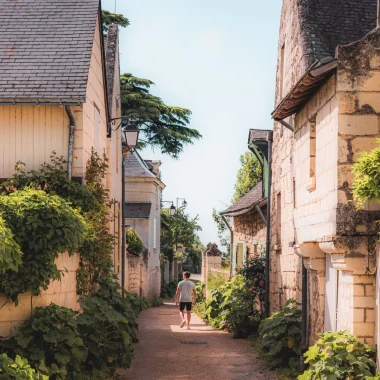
59 92
143 214
326 114
248 226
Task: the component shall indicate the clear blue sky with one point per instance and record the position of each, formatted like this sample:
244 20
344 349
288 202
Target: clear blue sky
217 58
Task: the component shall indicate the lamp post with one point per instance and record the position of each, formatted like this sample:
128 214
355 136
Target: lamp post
130 136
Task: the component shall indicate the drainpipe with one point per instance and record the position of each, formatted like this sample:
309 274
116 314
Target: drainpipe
71 141
267 261
123 237
231 243
304 328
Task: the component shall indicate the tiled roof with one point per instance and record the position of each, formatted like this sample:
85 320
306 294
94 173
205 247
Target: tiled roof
45 49
110 47
247 202
329 23
136 167
137 210
258 134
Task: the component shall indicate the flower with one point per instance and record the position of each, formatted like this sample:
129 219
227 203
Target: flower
12 188
261 283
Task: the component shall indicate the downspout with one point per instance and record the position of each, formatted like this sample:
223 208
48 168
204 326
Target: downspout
304 326
231 243
123 237
71 141
267 261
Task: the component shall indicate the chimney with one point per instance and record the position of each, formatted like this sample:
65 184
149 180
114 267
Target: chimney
156 166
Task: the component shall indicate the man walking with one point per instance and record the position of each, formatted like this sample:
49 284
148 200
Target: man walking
186 295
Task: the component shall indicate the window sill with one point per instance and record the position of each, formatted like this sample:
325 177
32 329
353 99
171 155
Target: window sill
311 185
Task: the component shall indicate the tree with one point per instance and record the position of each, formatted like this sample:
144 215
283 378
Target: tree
109 18
180 229
161 125
367 176
193 255
223 232
248 176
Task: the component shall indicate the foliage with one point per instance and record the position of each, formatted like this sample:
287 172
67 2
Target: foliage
193 255
161 125
10 254
168 290
249 175
366 172
231 307
215 281
224 234
52 178
180 229
51 342
200 292
106 334
109 18
339 356
281 335
19 369
134 242
156 302
97 249
43 225
254 274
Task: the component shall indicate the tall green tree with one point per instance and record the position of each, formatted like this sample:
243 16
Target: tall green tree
179 228
248 176
161 125
224 234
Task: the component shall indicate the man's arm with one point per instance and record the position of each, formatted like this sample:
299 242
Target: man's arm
177 295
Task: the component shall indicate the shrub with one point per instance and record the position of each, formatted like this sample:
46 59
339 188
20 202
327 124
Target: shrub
200 292
134 242
51 342
156 302
44 226
19 369
231 307
281 335
10 254
338 355
168 290
106 334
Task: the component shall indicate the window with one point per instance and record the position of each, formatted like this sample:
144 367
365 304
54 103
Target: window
312 155
96 128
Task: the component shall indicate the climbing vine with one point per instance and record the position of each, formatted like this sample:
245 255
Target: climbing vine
134 242
10 254
44 226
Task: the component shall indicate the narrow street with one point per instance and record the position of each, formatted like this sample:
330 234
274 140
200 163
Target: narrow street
166 352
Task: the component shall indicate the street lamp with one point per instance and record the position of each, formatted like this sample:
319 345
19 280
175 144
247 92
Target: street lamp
172 208
184 203
130 136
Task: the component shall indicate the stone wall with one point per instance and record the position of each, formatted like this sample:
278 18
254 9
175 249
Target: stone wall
251 229
138 275
62 293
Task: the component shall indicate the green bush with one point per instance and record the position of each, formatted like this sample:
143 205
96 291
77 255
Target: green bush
339 356
134 242
19 369
231 307
51 342
281 336
44 226
215 281
10 254
156 302
169 290
200 292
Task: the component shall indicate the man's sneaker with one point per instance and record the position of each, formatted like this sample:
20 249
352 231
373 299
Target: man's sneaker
183 323
188 327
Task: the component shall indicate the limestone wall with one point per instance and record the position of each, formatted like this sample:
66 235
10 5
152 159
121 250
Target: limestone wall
62 293
138 275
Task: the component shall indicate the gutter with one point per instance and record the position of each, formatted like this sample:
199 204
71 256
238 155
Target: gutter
231 243
71 141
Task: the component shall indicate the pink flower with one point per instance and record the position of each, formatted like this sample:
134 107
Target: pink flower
261 283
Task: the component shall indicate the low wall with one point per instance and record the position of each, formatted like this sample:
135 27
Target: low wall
62 293
138 275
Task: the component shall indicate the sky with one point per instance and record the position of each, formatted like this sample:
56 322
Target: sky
217 58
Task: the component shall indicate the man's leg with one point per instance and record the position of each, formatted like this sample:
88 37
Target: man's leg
181 312
188 317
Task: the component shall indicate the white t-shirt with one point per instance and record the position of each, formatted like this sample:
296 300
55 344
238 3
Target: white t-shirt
186 287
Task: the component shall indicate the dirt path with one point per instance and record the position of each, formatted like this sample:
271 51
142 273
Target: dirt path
166 352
